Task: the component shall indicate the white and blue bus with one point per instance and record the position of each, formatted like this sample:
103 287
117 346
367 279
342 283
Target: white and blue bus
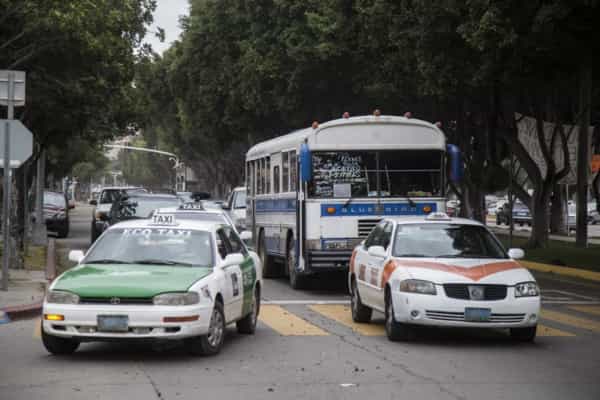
315 193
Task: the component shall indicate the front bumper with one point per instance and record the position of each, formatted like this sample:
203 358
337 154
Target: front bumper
328 261
440 310
145 321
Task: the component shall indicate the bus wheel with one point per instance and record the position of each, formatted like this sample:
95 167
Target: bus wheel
296 281
268 266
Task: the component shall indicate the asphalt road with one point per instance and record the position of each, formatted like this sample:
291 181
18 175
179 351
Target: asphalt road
306 350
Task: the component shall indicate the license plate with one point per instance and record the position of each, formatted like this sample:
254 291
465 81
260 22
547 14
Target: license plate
477 314
113 323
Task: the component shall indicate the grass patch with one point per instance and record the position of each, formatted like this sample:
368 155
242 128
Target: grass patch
559 253
62 259
35 258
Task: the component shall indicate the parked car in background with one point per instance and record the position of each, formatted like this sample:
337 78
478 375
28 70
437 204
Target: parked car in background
236 206
56 213
103 204
520 214
593 215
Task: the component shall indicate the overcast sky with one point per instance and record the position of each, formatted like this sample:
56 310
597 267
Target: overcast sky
166 16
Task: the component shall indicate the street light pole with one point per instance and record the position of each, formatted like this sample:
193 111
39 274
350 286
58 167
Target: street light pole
6 193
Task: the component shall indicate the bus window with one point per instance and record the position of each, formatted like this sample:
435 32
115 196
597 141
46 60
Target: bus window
410 173
276 179
262 176
285 172
268 176
293 171
344 174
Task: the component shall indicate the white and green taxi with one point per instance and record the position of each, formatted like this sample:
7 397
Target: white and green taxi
156 279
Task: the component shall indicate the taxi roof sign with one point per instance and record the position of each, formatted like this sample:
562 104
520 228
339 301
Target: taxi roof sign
164 219
438 216
192 206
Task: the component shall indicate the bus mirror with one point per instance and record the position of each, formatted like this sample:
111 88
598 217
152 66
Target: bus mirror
455 163
305 163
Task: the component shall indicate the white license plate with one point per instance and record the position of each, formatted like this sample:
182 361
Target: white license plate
113 323
477 314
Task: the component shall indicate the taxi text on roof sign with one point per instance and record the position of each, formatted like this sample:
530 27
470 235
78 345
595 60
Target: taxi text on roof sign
164 219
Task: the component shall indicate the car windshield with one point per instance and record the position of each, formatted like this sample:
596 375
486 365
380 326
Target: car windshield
240 199
447 241
160 245
142 207
397 173
55 199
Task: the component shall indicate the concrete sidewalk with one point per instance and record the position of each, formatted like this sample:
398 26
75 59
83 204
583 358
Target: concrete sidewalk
25 294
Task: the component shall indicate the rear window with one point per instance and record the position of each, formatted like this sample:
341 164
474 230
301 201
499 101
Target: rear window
56 199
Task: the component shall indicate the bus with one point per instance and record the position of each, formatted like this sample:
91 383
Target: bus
316 193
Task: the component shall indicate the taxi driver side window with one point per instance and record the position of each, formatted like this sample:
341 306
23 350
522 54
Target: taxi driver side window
236 243
375 237
223 245
387 235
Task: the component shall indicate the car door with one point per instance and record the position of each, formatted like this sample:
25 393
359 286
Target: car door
233 289
363 263
247 269
376 266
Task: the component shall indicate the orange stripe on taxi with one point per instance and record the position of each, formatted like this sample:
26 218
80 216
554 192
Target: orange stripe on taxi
473 273
388 270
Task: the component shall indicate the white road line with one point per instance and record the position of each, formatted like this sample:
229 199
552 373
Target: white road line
571 294
577 302
292 302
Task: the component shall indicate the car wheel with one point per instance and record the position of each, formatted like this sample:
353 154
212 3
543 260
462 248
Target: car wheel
296 281
360 312
268 265
395 330
247 325
498 220
57 345
523 334
211 343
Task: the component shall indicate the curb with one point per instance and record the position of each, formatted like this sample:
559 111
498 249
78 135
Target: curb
23 311
564 271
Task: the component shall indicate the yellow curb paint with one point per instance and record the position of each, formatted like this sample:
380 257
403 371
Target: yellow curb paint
568 319
594 310
566 271
287 324
37 330
543 330
343 315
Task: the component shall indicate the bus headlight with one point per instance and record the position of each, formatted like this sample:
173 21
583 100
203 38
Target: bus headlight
313 244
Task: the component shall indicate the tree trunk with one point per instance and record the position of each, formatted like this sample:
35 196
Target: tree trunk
558 223
585 100
539 217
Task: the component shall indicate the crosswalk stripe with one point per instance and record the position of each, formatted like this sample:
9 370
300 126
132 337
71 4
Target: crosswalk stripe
544 330
342 314
567 319
37 330
595 310
287 324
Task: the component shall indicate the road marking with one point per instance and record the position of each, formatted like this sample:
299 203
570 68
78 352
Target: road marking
287 324
595 310
37 330
566 271
567 319
342 314
303 302
544 330
570 294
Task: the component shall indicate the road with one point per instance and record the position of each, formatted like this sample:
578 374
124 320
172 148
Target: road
306 350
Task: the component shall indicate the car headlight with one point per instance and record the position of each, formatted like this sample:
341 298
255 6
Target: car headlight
527 289
176 299
417 286
61 297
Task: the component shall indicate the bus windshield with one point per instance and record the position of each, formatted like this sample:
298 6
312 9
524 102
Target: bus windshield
386 173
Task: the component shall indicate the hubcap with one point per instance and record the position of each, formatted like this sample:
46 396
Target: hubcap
215 330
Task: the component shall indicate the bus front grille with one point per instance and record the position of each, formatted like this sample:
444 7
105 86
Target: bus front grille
365 226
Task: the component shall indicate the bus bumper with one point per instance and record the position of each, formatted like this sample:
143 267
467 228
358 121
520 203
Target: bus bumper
327 261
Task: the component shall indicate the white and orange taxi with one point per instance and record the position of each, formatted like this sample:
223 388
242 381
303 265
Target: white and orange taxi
440 271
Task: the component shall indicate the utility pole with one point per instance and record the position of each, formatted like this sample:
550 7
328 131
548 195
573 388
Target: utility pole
7 184
583 152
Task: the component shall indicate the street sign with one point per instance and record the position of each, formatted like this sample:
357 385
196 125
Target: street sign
21 142
19 88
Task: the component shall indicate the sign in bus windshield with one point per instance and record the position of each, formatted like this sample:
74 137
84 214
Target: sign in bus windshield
396 173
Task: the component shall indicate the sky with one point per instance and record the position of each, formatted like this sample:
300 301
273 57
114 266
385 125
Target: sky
166 16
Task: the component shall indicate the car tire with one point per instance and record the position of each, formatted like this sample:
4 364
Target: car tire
57 345
395 330
247 325
297 281
211 343
524 334
268 264
498 220
360 312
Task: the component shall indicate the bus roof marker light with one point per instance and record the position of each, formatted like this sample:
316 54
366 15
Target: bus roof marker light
315 124
377 113
438 124
346 115
408 115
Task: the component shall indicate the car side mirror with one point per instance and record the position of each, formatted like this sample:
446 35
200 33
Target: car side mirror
516 254
76 256
245 235
377 251
93 202
232 259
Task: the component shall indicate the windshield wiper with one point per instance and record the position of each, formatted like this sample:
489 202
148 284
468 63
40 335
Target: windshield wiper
157 261
412 255
107 261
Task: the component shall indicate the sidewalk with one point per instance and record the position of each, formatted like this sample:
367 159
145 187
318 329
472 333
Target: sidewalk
25 294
